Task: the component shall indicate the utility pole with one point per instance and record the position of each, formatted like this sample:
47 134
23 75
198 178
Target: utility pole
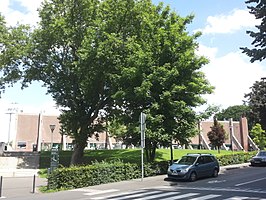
10 112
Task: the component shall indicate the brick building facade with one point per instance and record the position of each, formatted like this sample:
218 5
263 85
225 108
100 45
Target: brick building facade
33 133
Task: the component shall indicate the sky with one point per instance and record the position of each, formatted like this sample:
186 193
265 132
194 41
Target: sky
223 24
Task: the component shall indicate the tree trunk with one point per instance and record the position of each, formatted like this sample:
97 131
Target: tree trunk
171 153
153 151
77 155
150 153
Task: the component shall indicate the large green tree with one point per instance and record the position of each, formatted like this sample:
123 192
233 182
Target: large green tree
259 42
117 58
256 100
167 82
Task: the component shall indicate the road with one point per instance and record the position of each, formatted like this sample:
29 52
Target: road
234 184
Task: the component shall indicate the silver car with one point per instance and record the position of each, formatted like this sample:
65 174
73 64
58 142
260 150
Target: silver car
193 166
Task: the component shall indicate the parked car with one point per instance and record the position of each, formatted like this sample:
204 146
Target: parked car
259 159
193 166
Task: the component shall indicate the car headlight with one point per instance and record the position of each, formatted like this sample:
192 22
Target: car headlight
184 170
263 159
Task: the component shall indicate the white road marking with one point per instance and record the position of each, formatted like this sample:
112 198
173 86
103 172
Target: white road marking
210 196
158 196
95 192
237 198
182 196
260 179
130 194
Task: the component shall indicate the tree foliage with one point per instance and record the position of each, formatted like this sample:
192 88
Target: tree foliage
234 112
256 101
208 112
13 45
259 42
117 58
217 135
258 135
167 83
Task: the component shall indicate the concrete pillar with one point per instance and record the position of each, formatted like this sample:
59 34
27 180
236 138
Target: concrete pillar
244 133
39 133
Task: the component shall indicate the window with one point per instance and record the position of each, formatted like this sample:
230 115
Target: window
208 159
22 145
201 160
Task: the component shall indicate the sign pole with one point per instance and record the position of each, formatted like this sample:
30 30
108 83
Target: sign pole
142 133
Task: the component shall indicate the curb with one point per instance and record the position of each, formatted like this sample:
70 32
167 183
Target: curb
235 166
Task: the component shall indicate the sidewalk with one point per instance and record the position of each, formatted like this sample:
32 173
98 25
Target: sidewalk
18 172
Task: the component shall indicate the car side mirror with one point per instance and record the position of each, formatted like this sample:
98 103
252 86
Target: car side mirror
197 164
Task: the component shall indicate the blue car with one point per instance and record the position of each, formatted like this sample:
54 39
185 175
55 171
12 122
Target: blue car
193 166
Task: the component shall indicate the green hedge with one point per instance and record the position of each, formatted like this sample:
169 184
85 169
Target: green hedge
235 158
95 174
114 171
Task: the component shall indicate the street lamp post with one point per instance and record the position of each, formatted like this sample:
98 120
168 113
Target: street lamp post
54 152
52 127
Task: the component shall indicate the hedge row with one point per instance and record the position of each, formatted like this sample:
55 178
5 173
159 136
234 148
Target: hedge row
235 158
95 174
107 172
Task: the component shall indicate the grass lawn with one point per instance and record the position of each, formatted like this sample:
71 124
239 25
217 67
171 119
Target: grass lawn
125 155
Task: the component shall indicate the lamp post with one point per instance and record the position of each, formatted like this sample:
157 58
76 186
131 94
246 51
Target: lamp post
52 127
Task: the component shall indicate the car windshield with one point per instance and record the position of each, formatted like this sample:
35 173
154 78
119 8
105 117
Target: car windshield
187 160
262 153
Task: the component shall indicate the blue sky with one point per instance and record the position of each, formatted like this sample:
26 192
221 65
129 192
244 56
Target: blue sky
223 24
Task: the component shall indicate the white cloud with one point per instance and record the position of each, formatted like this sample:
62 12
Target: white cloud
233 22
208 52
28 16
232 76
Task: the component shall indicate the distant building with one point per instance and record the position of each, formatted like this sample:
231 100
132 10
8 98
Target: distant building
33 133
237 136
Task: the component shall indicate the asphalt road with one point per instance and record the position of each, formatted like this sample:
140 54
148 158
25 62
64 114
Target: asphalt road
234 184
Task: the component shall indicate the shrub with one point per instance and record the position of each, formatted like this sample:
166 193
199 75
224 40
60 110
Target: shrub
115 171
95 174
235 158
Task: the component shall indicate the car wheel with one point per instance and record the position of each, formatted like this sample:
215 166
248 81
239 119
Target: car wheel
215 173
193 176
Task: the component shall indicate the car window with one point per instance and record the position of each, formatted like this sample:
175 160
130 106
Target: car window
262 153
187 160
200 160
208 159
